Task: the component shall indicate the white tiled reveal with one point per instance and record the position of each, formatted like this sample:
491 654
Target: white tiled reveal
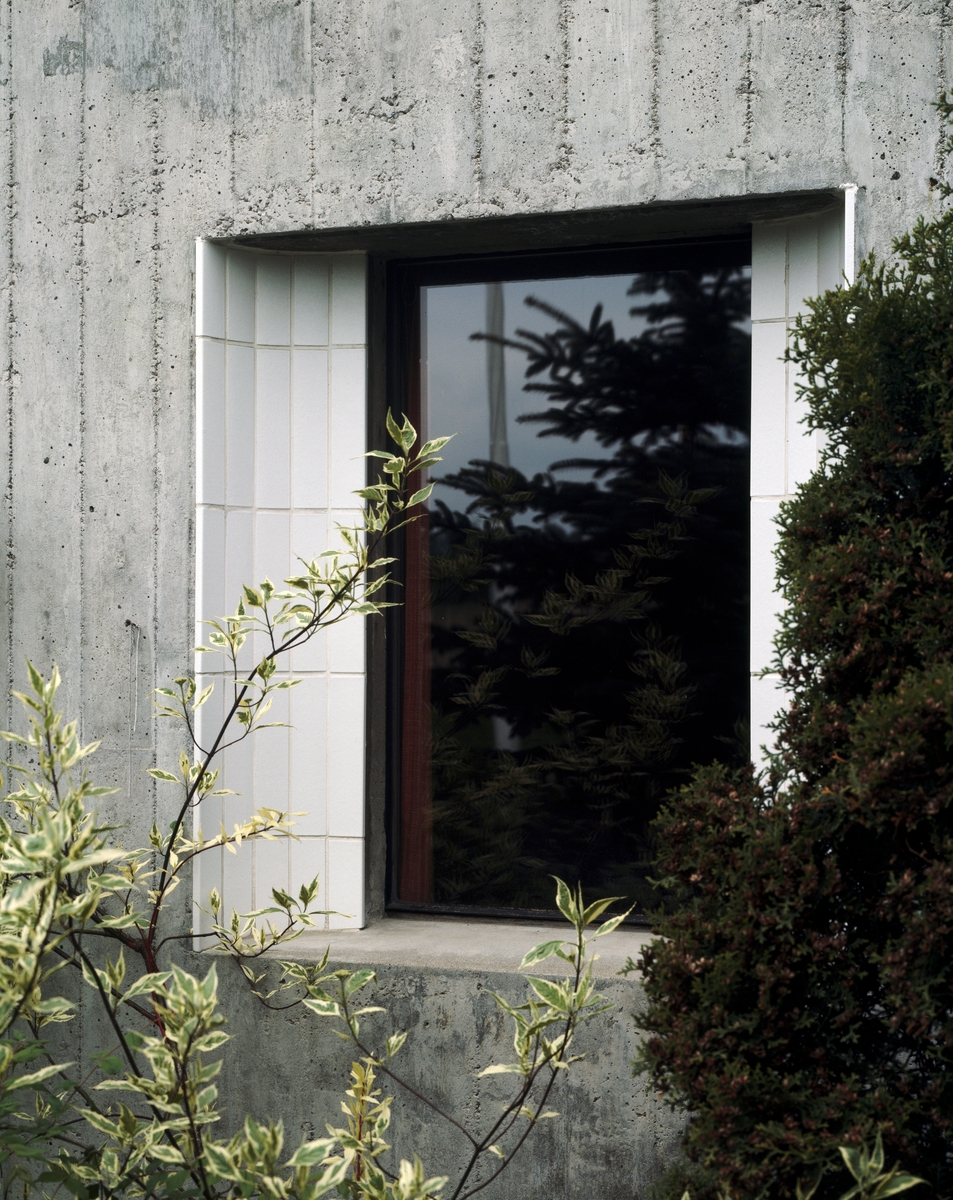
281 363
791 261
281 434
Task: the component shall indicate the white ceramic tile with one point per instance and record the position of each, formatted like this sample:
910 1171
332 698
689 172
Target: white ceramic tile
348 300
803 452
309 444
239 568
309 533
272 561
273 429
346 643
237 880
311 295
210 813
346 756
272 547
802 263
271 785
309 536
273 309
207 821
348 428
306 415
768 271
208 721
341 518
312 655
345 517
309 755
272 870
309 859
338 520
765 602
210 422
240 425
206 874
239 556
240 310
768 374
346 882
830 233
802 442
210 556
767 699
238 774
208 718
209 290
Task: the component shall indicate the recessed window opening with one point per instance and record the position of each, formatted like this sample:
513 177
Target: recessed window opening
573 634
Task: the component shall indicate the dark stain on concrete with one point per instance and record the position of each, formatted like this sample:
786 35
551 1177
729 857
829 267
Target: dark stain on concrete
66 58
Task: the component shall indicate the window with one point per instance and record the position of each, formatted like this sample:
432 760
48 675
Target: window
281 401
574 628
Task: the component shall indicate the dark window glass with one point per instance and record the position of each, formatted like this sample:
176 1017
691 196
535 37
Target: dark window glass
575 621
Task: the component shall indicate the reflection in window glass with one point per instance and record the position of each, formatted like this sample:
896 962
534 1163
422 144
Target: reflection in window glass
576 602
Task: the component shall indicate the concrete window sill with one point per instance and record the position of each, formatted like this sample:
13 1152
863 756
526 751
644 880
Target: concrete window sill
456 943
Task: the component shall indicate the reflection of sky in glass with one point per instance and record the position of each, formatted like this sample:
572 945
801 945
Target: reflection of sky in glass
456 368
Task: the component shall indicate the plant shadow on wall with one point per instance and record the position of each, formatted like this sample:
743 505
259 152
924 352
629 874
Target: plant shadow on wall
72 901
590 622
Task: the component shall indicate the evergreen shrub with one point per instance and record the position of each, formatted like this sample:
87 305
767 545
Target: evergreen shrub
802 997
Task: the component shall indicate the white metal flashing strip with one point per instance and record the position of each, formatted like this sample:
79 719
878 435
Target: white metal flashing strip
850 209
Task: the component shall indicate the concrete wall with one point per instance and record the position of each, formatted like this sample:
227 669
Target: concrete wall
129 128
613 1135
132 128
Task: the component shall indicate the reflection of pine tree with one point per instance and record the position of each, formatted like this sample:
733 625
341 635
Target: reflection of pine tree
590 637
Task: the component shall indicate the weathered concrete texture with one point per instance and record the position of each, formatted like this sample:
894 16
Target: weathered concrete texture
612 1139
130 127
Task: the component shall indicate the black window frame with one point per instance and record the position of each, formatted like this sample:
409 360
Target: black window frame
398 282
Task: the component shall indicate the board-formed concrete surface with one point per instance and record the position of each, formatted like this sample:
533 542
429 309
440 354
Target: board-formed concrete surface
613 1136
129 129
132 128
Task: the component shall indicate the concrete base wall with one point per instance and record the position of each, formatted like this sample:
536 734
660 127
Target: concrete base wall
613 1136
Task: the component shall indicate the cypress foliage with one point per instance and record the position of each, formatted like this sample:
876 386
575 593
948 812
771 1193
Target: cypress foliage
803 996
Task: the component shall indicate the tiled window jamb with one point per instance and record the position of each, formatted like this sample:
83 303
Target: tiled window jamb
791 261
281 350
